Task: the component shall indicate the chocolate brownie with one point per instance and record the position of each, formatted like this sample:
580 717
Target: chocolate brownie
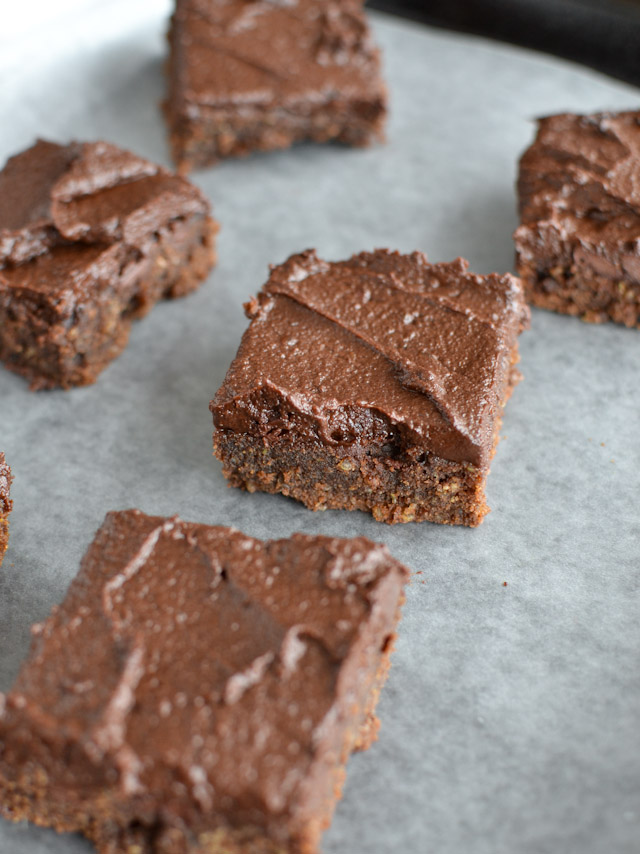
578 247
249 75
5 504
372 384
91 236
199 691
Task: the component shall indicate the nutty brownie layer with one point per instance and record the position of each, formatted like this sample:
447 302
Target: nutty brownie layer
263 75
91 236
199 691
5 504
375 383
578 247
377 476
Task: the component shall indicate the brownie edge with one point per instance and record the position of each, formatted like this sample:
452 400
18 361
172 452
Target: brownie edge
375 383
199 691
91 237
578 244
5 504
258 76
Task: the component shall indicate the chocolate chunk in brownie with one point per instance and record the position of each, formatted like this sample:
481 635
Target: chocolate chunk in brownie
91 236
372 384
249 75
578 247
5 504
199 691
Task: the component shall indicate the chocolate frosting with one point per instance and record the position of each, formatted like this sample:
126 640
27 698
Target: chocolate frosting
196 666
426 347
266 52
579 183
88 193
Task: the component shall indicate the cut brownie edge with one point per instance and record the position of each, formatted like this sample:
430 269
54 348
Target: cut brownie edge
76 756
595 299
323 478
578 246
392 488
174 266
91 236
6 504
202 143
4 536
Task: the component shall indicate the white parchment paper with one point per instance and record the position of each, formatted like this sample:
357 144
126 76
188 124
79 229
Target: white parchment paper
510 720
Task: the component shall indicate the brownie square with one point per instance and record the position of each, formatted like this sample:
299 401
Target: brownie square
246 76
578 245
199 691
5 504
372 384
91 236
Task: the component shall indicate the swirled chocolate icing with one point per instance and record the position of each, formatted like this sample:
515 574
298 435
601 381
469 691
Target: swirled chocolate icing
579 189
85 193
265 52
194 673
427 348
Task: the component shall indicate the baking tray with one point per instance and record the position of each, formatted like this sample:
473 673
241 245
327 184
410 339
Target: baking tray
510 719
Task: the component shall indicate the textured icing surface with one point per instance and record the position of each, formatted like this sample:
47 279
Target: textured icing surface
425 346
84 193
262 52
197 660
580 181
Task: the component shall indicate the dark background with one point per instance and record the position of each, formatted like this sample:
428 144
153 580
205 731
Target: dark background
603 34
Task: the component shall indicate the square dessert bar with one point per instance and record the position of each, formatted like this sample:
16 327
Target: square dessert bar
249 75
199 691
372 384
91 236
578 247
5 504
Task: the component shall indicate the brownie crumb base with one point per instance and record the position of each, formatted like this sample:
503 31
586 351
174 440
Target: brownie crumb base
597 299
4 536
29 802
33 805
181 259
196 144
6 504
370 728
355 478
